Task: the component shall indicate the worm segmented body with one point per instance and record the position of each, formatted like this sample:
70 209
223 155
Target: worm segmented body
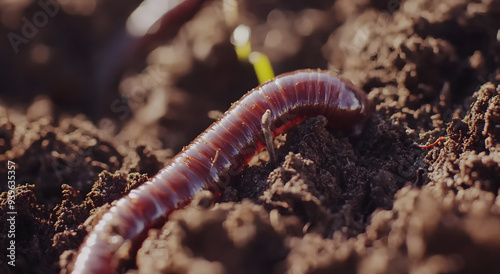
220 153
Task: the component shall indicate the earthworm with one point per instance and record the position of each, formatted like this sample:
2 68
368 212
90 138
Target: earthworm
439 140
220 153
126 51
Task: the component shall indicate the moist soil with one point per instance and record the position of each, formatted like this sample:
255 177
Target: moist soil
84 127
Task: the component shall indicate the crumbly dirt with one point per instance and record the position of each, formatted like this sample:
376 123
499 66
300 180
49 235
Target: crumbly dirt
83 128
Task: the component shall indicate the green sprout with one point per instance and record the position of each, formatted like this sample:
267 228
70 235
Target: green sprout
259 61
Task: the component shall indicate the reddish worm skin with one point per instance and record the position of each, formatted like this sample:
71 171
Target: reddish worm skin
167 26
439 140
221 152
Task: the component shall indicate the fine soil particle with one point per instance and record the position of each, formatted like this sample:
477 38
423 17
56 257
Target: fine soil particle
333 202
